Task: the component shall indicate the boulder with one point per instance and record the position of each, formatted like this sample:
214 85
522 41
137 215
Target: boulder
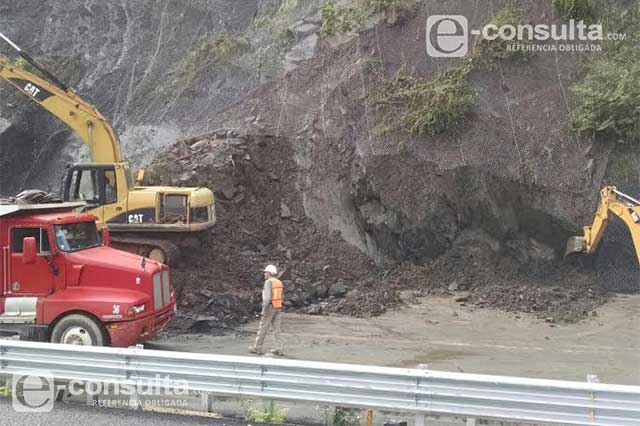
206 292
304 30
303 51
285 211
338 290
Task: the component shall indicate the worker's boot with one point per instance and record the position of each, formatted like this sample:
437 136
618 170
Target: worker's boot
254 350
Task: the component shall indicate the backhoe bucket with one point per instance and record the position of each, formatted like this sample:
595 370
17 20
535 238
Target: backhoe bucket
575 245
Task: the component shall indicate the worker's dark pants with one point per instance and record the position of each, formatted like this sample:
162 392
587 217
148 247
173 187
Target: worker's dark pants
271 318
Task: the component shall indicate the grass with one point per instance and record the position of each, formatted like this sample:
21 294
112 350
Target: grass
344 416
5 391
341 19
213 51
379 6
267 413
415 106
607 99
575 9
488 52
278 22
344 19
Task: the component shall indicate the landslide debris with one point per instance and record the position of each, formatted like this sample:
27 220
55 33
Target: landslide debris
261 219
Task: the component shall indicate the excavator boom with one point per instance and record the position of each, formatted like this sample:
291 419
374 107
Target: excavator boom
62 101
612 203
151 221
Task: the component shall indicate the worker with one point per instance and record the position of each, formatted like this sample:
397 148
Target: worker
111 195
272 296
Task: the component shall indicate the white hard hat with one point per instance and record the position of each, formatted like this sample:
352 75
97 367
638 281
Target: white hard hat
271 269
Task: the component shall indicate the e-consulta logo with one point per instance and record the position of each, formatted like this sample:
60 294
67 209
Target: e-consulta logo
36 392
448 36
32 393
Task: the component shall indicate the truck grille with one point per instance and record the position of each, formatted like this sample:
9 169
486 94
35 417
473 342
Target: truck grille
157 291
166 287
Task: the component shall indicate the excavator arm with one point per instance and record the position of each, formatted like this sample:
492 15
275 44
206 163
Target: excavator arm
62 102
612 203
144 220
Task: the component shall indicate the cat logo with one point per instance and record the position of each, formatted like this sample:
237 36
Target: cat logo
32 89
136 218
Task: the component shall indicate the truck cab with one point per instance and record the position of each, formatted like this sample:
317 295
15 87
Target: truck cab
61 282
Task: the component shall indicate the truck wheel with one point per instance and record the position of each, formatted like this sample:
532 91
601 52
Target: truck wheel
158 255
78 330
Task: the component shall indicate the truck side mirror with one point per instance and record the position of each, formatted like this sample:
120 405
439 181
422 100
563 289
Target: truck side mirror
29 250
106 237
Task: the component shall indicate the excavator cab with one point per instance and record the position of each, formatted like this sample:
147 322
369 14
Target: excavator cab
150 221
97 186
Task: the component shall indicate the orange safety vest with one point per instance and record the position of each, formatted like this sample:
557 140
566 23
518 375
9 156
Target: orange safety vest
277 293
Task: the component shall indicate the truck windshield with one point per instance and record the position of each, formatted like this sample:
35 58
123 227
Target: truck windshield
77 236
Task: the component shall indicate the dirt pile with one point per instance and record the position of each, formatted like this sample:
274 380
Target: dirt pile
261 220
519 276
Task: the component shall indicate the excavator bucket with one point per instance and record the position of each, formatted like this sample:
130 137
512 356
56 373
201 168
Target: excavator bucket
575 245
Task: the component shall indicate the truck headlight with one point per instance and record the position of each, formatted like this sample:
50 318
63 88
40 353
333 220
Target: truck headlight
136 310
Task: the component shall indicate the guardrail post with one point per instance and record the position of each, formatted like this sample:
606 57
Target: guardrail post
207 402
471 421
420 418
592 378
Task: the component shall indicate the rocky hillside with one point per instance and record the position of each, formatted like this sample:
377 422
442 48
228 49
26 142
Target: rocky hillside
344 146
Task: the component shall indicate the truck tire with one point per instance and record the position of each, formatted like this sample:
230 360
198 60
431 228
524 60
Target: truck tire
78 329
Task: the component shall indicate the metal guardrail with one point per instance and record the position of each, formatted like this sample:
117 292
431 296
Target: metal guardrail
394 389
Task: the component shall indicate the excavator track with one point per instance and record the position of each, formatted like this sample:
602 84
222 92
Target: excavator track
158 249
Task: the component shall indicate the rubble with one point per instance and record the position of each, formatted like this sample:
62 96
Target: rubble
323 274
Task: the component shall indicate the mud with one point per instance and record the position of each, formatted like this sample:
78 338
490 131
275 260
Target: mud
440 334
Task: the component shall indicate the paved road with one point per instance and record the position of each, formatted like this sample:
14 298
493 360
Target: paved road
82 415
450 337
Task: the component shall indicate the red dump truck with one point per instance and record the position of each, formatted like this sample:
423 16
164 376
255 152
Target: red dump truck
62 283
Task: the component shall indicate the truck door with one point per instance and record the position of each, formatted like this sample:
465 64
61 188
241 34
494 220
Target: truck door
29 279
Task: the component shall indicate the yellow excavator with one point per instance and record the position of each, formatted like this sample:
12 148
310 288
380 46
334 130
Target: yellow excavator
613 203
146 220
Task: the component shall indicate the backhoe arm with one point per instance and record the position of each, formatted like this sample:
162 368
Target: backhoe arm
63 102
612 202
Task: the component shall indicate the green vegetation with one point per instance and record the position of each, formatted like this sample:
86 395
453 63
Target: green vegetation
343 19
278 22
422 107
5 391
377 6
608 98
214 50
574 9
487 52
343 416
267 414
340 19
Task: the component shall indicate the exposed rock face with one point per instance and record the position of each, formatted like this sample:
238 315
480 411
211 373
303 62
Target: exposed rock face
508 171
128 58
